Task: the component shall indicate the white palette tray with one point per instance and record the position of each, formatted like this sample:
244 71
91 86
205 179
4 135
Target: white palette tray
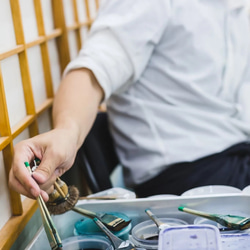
238 204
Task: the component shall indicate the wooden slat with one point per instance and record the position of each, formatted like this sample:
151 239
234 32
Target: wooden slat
47 70
73 26
4 141
22 125
16 50
39 40
44 50
17 21
26 80
46 105
85 24
39 17
4 117
97 4
62 41
15 198
87 12
54 34
16 224
78 31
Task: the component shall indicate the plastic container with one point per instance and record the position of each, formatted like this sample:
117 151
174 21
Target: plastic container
239 241
145 234
190 237
87 226
90 242
222 229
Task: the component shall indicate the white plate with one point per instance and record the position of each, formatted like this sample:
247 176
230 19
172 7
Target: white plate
212 189
161 196
246 190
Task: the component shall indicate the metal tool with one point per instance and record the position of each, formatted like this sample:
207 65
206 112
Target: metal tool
116 242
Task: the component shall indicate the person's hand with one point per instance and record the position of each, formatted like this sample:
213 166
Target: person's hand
56 149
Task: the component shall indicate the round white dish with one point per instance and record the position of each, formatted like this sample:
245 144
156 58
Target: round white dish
211 189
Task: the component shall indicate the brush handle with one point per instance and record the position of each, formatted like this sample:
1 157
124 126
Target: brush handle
198 213
59 190
98 197
154 218
85 212
49 227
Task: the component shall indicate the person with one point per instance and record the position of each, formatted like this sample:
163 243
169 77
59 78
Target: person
174 76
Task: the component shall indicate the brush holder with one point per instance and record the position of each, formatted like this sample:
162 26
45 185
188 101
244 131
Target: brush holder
87 226
145 234
90 242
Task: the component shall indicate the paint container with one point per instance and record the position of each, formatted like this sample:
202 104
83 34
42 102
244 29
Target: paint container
239 241
222 229
91 242
145 234
87 226
190 237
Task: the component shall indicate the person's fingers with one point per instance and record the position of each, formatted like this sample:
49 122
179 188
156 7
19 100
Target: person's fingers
44 195
15 185
47 172
20 178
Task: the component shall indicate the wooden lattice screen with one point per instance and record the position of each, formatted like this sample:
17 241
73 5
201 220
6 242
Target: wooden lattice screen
47 34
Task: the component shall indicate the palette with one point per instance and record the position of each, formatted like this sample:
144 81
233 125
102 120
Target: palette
166 207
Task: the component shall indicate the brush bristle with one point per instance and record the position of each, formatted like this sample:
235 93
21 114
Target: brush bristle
64 204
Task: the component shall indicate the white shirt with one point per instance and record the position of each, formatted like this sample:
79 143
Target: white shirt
173 72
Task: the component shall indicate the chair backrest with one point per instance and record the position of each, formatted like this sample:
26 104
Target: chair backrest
97 156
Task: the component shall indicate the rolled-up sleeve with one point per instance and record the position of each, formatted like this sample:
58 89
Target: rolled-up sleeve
121 41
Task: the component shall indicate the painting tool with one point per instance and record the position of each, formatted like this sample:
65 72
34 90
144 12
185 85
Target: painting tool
105 197
116 242
49 227
156 220
229 221
64 199
160 225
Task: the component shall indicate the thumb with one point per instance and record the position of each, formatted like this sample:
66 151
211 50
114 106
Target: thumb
44 171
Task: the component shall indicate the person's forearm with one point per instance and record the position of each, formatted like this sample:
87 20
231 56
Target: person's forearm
76 103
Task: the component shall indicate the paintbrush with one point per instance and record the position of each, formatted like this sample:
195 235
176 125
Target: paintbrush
64 199
49 227
229 221
161 225
105 197
116 242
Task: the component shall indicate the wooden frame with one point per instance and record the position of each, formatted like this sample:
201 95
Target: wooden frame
23 211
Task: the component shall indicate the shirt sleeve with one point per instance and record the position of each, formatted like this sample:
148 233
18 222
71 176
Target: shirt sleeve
121 41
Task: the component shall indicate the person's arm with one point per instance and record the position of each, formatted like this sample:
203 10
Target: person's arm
74 110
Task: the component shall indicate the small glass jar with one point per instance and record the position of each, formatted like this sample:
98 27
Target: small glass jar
222 229
90 242
145 234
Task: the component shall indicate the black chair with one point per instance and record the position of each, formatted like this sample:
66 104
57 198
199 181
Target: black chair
96 159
